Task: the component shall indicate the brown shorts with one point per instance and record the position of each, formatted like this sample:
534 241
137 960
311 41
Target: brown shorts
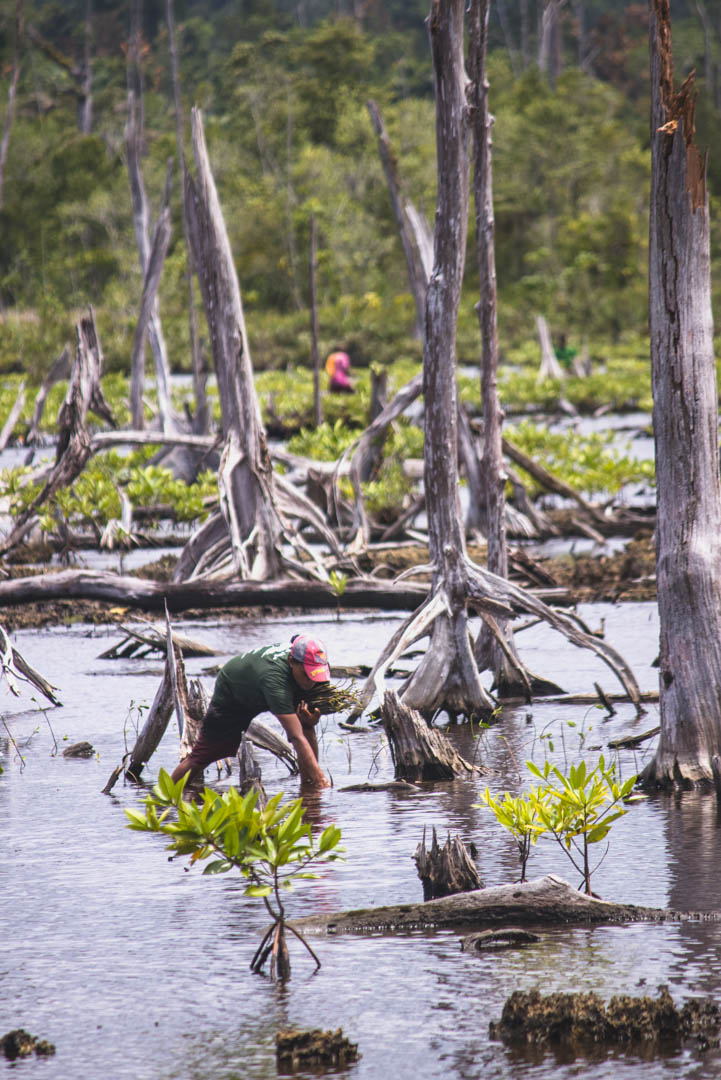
219 738
207 750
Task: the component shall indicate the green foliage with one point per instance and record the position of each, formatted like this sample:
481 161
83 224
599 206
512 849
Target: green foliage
579 809
518 814
272 846
587 463
94 498
575 810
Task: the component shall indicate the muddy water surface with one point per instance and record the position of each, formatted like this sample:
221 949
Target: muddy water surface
135 968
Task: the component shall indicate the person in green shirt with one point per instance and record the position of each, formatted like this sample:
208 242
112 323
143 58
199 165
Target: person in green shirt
269 679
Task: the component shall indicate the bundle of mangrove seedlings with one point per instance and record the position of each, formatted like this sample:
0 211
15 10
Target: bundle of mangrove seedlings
332 699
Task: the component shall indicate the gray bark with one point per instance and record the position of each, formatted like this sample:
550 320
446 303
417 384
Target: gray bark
548 901
445 870
417 275
60 369
688 524
447 677
314 351
245 477
419 751
7 428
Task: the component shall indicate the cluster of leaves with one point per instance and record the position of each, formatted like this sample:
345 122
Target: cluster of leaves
587 463
272 846
329 698
94 498
575 810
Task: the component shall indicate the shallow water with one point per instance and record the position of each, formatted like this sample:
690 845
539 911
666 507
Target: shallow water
135 968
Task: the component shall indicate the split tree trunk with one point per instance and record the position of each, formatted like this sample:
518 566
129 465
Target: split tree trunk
685 418
445 870
419 751
245 477
417 275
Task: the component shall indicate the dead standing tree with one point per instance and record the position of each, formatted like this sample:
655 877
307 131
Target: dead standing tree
508 678
447 677
74 441
685 420
257 507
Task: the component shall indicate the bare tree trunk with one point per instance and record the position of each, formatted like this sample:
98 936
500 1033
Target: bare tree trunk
549 46
708 66
7 428
488 653
201 419
12 92
417 277
688 524
246 477
549 367
445 871
447 677
134 134
314 352
74 445
60 369
85 102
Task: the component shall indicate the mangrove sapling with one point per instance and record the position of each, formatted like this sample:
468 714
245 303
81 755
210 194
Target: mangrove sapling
578 810
272 847
328 698
520 816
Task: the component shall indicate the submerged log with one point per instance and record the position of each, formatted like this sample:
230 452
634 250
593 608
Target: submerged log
420 752
548 901
447 870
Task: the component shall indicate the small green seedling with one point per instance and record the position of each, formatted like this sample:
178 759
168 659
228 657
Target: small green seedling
271 846
579 809
520 816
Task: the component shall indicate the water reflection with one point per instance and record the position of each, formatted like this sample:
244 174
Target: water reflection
136 968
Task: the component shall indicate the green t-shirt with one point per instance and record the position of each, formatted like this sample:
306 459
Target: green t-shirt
255 682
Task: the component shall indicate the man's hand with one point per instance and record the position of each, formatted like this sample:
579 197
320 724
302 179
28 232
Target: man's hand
306 715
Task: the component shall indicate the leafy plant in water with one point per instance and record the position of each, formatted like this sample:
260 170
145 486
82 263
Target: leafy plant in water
579 809
520 816
272 847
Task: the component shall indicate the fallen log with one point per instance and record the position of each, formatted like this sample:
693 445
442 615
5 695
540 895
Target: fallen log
147 595
545 901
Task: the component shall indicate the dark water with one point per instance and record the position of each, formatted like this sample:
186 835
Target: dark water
135 968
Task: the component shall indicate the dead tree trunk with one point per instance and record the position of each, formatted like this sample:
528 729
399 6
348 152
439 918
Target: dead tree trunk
134 134
7 428
12 92
60 370
74 444
447 870
447 677
314 351
420 752
201 419
417 276
507 677
688 523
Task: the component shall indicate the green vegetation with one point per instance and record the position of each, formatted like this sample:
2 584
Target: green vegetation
271 846
575 810
283 90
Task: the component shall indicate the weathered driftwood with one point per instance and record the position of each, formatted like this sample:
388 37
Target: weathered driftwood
384 785
633 740
446 870
249 772
139 645
420 752
508 938
549 367
180 596
546 901
14 666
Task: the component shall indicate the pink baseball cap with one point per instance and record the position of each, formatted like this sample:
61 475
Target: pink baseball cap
311 654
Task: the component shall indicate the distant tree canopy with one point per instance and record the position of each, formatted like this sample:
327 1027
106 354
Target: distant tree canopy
284 88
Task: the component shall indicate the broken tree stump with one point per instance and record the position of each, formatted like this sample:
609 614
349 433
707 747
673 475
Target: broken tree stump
447 870
420 752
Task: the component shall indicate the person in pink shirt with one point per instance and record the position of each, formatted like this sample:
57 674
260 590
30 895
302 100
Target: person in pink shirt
338 367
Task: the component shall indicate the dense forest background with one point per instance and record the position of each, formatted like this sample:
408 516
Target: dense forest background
284 90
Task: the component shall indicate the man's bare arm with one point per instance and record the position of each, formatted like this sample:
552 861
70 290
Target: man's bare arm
310 770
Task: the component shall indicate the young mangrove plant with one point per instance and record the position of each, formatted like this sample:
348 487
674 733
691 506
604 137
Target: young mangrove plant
575 810
578 810
520 816
328 698
272 847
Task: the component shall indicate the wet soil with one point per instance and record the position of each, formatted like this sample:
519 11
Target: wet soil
627 575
